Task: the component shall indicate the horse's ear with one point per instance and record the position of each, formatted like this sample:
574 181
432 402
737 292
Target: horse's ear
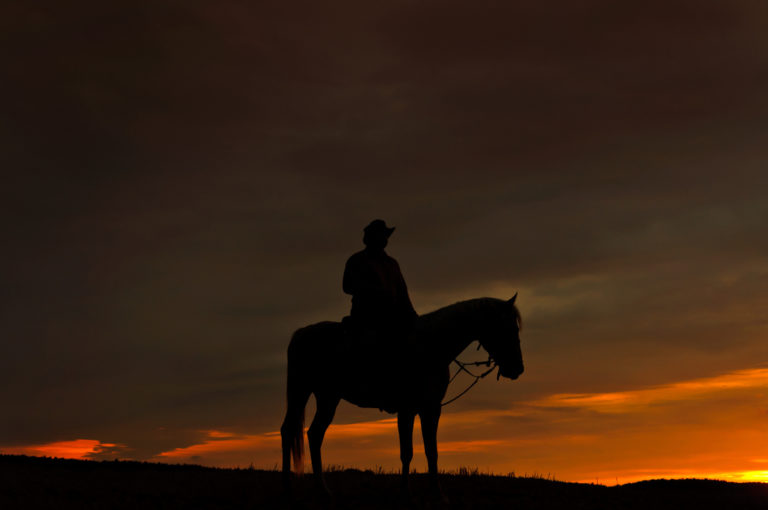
512 301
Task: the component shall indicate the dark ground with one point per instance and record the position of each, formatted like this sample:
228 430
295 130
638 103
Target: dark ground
30 483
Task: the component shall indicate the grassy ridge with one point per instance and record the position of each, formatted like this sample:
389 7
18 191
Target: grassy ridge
29 483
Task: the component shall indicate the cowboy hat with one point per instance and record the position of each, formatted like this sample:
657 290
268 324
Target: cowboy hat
379 226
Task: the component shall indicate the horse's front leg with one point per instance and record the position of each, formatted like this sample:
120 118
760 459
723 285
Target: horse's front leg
405 430
326 409
429 420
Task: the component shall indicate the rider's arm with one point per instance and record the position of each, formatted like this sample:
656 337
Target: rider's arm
404 300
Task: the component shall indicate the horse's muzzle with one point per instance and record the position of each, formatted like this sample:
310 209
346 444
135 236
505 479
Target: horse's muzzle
513 373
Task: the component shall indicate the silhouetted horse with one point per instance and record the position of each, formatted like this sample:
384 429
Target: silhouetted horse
415 372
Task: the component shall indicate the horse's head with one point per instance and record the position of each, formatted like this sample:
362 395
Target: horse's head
502 340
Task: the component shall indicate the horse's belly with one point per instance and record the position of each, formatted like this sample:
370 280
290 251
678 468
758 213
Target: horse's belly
388 398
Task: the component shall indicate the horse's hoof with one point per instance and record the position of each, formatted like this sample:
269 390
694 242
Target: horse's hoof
323 495
406 497
439 500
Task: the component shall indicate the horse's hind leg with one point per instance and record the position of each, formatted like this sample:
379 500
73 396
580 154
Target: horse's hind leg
326 409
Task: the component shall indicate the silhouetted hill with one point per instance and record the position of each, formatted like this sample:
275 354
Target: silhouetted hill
30 482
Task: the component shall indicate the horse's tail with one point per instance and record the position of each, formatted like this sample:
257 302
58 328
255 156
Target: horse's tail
296 433
292 431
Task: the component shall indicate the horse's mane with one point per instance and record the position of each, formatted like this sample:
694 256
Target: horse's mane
478 306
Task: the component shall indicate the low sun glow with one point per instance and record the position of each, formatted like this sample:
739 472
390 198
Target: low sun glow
621 437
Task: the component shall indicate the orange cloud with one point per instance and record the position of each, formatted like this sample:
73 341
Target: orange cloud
480 445
219 434
697 388
367 428
218 442
77 449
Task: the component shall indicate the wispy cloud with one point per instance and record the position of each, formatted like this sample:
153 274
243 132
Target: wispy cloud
621 401
219 443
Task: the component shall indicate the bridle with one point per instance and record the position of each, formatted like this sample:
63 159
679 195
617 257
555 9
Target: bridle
490 362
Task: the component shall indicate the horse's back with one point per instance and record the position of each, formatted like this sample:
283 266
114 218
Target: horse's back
314 338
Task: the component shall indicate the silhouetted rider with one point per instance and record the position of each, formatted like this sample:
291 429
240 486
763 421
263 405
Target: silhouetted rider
379 295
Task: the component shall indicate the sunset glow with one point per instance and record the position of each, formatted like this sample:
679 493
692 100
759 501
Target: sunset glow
619 437
643 434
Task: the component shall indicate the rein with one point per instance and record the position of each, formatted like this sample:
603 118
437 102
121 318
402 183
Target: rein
463 368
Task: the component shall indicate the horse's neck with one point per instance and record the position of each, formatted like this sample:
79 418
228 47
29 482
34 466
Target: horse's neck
453 329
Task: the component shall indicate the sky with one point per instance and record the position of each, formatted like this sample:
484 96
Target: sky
183 182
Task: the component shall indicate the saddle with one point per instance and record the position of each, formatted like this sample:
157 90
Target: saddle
376 361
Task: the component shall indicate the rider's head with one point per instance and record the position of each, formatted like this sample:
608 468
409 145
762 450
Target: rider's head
377 234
